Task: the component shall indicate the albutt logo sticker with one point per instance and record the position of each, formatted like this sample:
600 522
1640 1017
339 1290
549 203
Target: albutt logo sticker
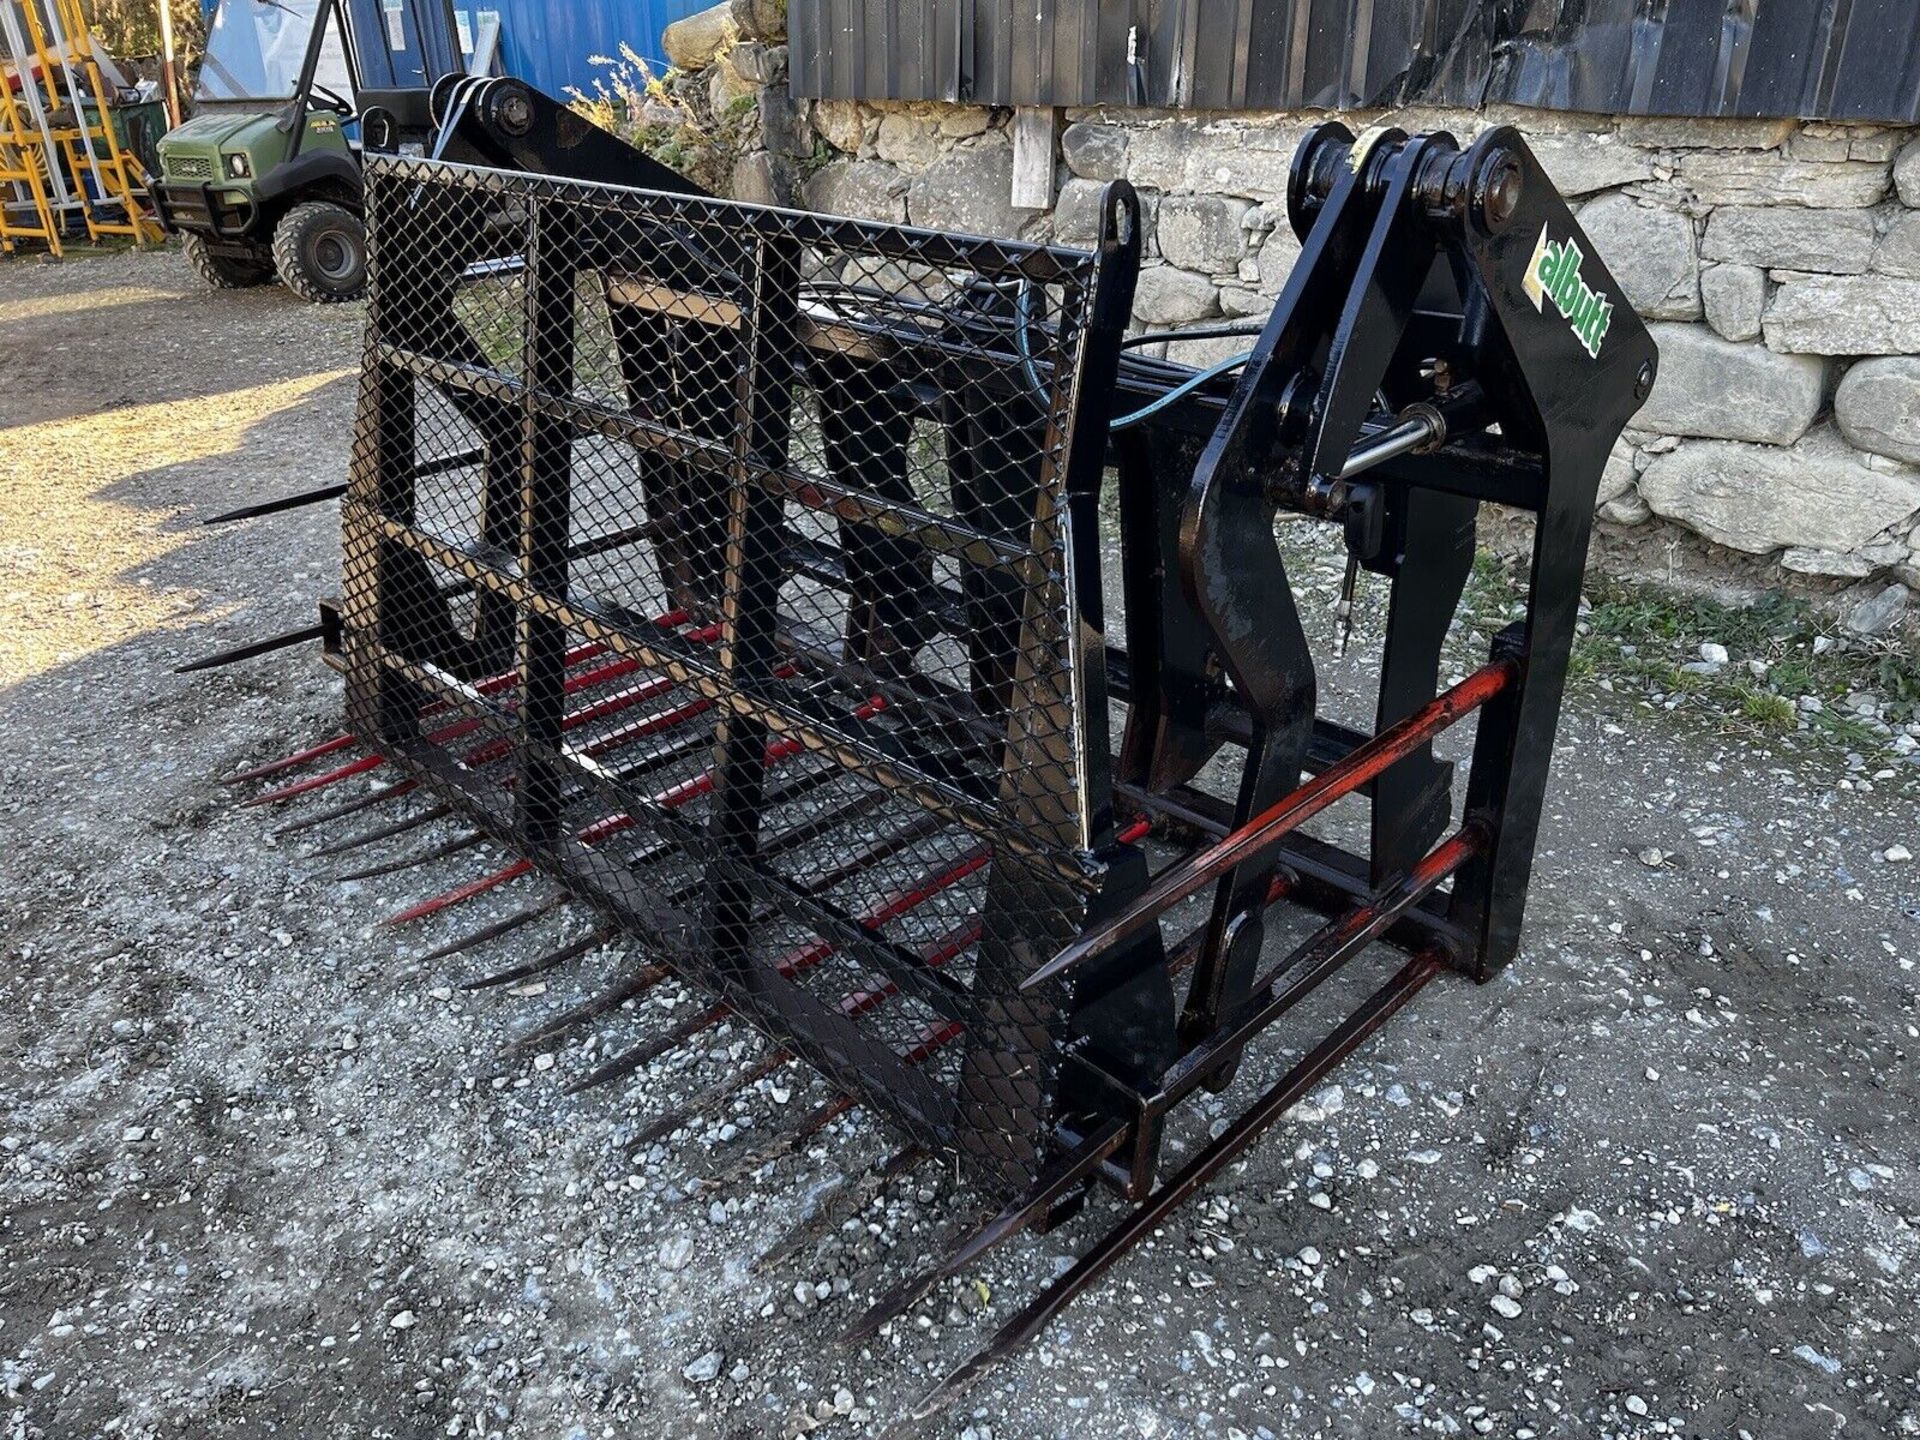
1554 274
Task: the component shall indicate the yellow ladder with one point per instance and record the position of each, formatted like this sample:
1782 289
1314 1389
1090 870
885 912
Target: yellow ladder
65 46
23 167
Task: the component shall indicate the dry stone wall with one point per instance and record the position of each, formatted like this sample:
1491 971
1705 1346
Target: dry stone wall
1779 262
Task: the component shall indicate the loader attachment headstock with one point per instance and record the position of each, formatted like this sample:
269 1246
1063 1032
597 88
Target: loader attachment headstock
743 572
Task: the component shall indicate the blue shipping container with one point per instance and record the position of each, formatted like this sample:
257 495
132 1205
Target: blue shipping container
551 43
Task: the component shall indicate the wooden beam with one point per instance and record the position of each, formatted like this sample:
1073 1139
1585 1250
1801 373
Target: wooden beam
1034 141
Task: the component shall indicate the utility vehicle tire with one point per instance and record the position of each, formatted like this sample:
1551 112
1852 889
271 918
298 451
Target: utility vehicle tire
226 272
320 250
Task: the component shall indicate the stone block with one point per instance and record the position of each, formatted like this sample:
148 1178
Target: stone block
693 42
762 178
1169 296
1618 476
760 63
725 85
1277 255
1736 177
1845 315
1880 612
1803 561
1202 353
1157 154
958 122
1717 389
1819 142
1790 237
1906 174
1651 252
1203 232
1095 152
1253 162
1076 212
783 124
1817 495
1581 163
862 189
840 123
1876 144
968 189
1660 132
909 139
1898 252
1627 509
1878 407
1240 302
760 19
1735 297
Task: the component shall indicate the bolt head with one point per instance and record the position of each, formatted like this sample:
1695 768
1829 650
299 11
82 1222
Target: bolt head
1501 190
515 114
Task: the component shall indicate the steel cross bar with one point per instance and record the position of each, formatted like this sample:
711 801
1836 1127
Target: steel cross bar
1327 950
1265 830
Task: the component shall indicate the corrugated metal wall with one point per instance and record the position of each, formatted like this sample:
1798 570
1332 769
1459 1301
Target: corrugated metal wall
1832 59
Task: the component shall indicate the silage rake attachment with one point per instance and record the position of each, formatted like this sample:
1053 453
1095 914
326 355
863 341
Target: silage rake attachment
741 571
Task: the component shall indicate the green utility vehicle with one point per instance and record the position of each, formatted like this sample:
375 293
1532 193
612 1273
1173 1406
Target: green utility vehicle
265 179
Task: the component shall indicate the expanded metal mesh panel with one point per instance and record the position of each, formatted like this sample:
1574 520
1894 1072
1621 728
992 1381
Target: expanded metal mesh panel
731 553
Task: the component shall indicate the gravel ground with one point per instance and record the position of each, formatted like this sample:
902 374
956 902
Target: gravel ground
264 1172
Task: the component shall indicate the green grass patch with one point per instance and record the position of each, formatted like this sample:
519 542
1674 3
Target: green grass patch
1781 649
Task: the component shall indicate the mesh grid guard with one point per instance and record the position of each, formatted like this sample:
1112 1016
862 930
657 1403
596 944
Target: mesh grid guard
738 568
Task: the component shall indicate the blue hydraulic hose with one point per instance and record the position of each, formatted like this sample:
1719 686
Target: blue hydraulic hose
1023 317
1181 391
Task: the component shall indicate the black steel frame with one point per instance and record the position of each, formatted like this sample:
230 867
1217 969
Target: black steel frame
1442 343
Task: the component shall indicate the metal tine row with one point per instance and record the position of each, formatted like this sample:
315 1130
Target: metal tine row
931 1041
251 650
387 831
552 960
645 979
1285 985
356 806
494 930
1068 1173
633 986
439 465
1140 1221
861 1192
852 1194
491 685
494 749
601 830
858 1002
673 797
647 1052
446 849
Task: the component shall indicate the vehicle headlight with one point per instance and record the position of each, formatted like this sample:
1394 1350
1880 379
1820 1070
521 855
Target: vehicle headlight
237 167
